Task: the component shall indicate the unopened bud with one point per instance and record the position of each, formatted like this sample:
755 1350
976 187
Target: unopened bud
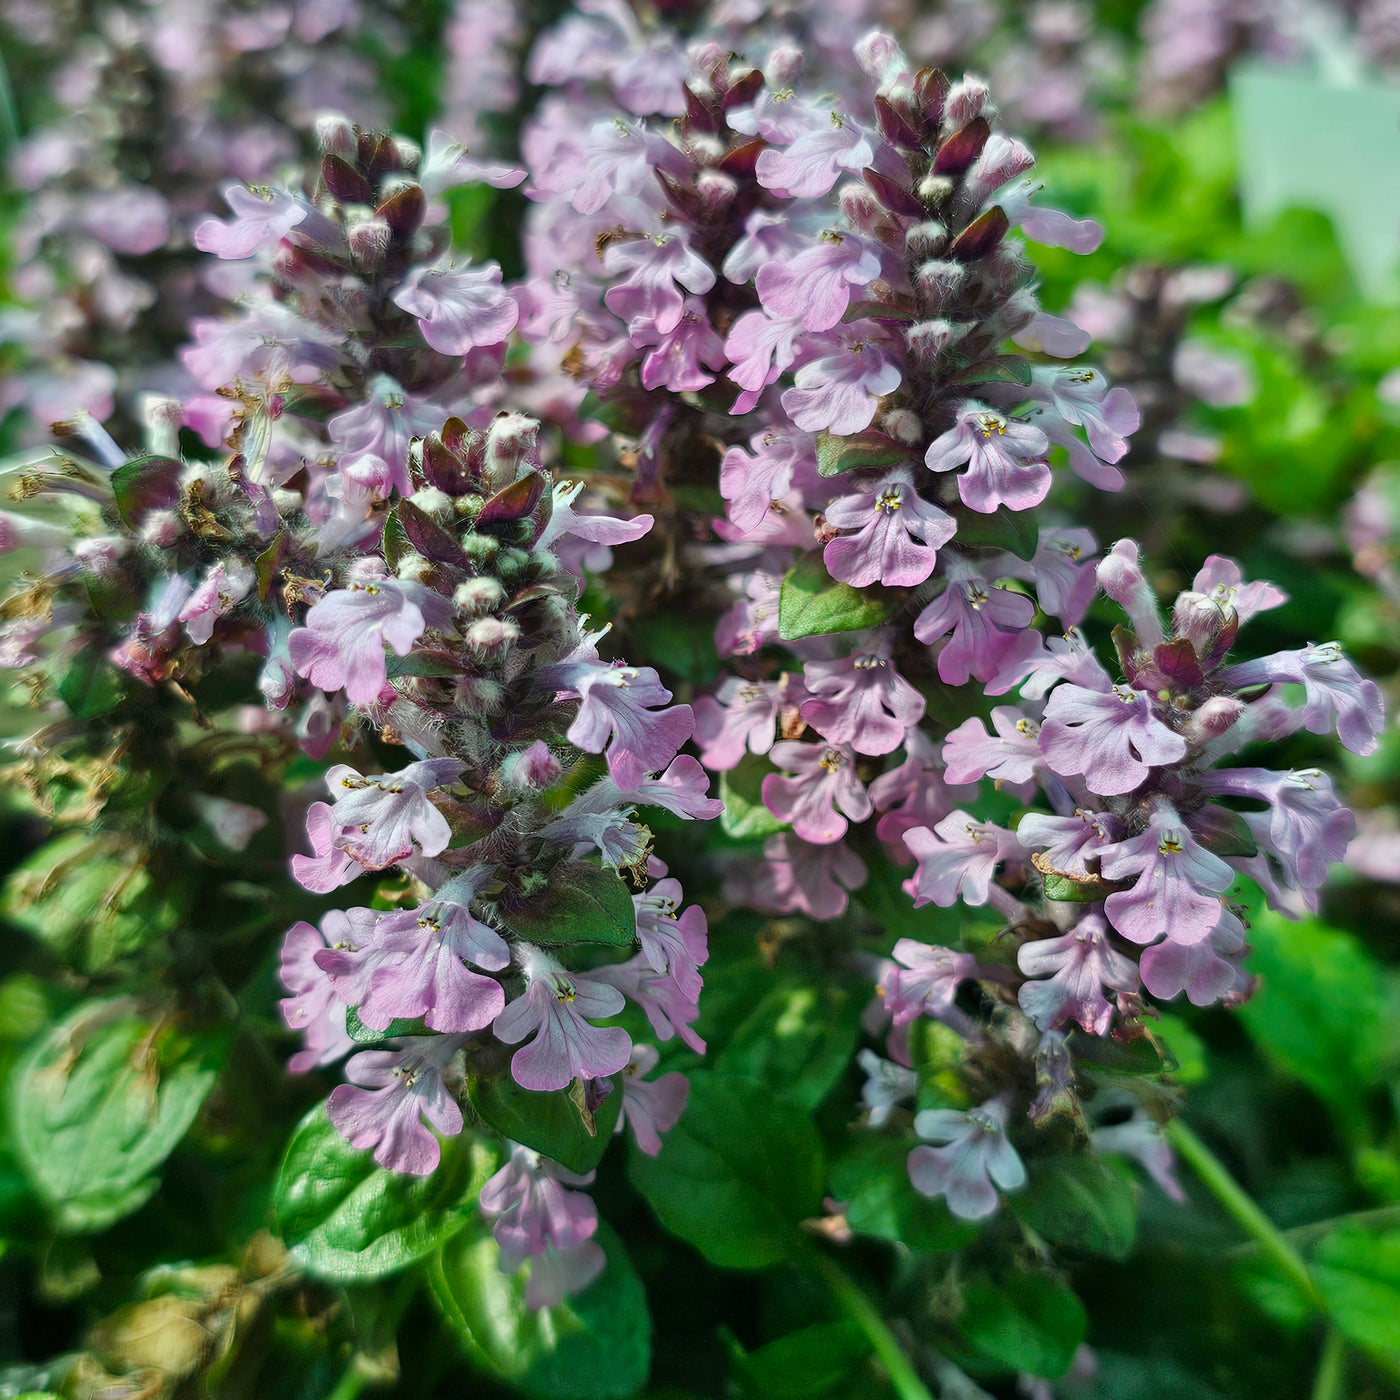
927 240
784 66
160 528
511 440
934 189
369 241
715 191
435 504
1212 719
532 769
1200 620
336 136
967 100
939 280
904 425
1120 576
478 595
492 633
928 339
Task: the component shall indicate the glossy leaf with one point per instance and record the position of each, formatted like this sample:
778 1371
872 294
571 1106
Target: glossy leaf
745 817
812 603
348 1220
551 1123
737 1174
595 1345
582 904
1080 1202
1026 1321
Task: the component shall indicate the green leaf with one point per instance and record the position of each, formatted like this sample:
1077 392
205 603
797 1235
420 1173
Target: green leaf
681 643
741 790
89 900
100 1102
999 369
583 903
868 449
91 685
1027 1322
1358 1273
347 1220
362 1034
422 663
1081 1202
802 1035
812 603
1015 531
804 1364
737 1174
551 1123
595 1345
873 1180
1320 1011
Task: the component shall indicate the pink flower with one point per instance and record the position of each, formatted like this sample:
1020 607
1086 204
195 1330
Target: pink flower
615 717
1207 971
554 1011
1178 884
957 860
647 273
650 1106
671 941
262 217
1081 397
669 1009
815 286
1070 842
1077 966
1112 739
897 536
458 309
1005 459
985 623
741 714
839 392
674 361
389 1095
927 982
970 753
825 780
312 1008
342 643
814 161
759 348
752 484
861 700
796 877
977 1153
914 794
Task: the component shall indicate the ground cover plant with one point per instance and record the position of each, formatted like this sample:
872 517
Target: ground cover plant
692 732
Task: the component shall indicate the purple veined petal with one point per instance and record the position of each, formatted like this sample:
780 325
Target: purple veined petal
825 781
897 535
328 867
650 1107
565 1046
262 217
810 166
815 287
957 859
797 877
1111 739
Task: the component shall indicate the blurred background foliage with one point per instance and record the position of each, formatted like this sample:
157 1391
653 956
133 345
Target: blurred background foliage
139 1228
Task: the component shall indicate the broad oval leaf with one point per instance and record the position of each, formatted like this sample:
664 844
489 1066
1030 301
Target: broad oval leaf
348 1220
582 904
595 1345
1015 531
100 1102
551 1123
1081 1202
737 1174
1026 1322
812 602
741 790
868 449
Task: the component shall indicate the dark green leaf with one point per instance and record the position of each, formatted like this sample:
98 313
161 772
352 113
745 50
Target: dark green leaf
737 1174
91 685
802 1035
1015 531
423 663
868 449
582 904
873 1180
1081 1202
99 1103
551 1123
595 1345
812 603
1027 1322
996 369
741 790
348 1220
804 1364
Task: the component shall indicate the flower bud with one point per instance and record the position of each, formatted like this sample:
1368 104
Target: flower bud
532 769
369 241
435 504
784 66
938 280
492 633
478 596
511 440
1212 719
1121 578
927 240
336 136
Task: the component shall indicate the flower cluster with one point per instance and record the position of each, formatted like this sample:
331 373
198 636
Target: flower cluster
392 568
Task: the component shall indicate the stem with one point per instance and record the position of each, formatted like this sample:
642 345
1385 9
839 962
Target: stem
1242 1209
1330 1381
883 1342
351 1383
